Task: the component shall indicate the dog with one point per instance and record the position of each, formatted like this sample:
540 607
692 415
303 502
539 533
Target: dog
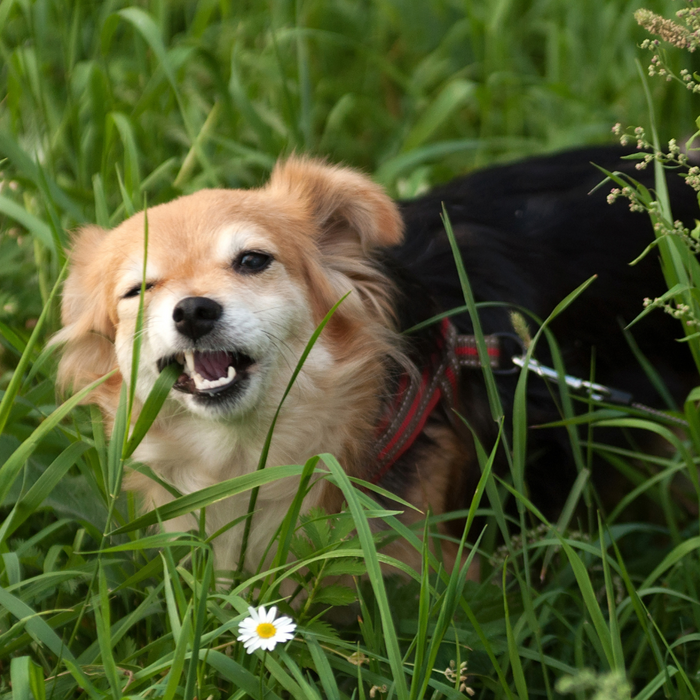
237 281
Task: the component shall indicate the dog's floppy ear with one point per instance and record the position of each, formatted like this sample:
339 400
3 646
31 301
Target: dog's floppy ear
344 204
88 330
347 216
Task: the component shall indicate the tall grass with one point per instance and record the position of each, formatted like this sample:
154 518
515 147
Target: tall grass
104 104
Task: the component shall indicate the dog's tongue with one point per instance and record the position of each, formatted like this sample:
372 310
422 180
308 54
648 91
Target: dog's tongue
212 365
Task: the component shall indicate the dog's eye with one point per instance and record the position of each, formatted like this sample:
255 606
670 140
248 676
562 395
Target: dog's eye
135 291
251 261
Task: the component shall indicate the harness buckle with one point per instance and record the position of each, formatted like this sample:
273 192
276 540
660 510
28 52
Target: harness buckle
519 342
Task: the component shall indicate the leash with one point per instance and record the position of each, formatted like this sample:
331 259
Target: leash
404 417
595 392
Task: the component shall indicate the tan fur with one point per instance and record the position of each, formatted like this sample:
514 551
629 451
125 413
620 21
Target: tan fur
321 225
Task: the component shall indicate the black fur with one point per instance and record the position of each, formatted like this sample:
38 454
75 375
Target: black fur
529 233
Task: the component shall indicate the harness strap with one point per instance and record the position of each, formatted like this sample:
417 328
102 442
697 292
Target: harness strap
415 398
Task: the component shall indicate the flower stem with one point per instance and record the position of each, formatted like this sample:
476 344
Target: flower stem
262 670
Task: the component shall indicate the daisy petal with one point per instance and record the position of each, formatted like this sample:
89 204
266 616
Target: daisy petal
262 631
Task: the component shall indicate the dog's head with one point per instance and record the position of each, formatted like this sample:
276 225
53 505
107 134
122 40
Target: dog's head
235 283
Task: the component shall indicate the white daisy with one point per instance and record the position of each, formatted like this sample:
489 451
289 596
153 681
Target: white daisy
262 631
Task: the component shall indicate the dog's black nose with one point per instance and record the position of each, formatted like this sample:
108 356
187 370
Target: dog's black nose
196 316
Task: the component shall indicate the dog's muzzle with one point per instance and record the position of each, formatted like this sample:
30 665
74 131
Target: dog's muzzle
213 373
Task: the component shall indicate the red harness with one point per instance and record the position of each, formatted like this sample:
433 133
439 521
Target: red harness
405 415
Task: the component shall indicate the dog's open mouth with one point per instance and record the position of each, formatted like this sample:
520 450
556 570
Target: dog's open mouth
209 373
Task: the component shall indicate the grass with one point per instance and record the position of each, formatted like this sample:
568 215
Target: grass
107 104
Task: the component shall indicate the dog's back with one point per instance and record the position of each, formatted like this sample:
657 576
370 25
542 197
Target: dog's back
529 233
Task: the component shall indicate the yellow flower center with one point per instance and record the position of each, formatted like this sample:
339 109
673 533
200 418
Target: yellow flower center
265 630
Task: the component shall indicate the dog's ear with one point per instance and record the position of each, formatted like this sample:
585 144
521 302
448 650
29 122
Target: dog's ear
347 216
347 207
88 330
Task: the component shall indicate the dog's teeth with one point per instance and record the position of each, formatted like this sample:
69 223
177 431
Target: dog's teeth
189 363
199 381
203 384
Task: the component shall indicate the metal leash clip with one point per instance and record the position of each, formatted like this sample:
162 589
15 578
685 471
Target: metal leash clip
596 392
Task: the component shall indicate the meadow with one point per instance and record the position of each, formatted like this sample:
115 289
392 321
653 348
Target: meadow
108 106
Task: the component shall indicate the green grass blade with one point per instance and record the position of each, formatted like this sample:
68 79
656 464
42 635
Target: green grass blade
178 664
520 400
689 685
27 679
393 168
234 672
513 654
32 223
268 440
17 342
151 407
148 29
649 690
288 525
200 618
591 603
208 128
307 692
83 680
161 540
650 371
103 624
138 328
132 168
282 677
127 200
374 573
567 513
451 98
29 502
16 381
35 624
323 668
115 464
211 494
615 638
11 468
676 555
421 640
101 208
171 605
452 597
491 388
48 187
